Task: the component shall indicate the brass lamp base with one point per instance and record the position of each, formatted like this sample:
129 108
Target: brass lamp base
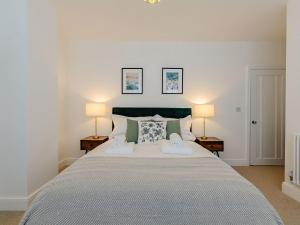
204 136
95 137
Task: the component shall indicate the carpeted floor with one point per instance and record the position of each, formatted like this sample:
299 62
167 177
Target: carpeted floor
267 178
10 218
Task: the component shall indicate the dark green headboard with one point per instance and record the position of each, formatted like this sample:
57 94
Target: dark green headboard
165 112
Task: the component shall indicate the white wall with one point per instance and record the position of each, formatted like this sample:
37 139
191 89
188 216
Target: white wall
293 91
43 71
29 99
214 72
13 148
61 94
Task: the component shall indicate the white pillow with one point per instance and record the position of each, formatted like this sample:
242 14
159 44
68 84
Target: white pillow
185 126
120 124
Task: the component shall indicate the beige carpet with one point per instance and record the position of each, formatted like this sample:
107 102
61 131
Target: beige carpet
267 178
10 218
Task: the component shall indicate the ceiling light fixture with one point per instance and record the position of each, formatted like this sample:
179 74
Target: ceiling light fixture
152 1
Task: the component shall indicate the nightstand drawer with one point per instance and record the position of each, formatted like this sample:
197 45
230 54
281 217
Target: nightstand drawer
213 147
212 144
88 145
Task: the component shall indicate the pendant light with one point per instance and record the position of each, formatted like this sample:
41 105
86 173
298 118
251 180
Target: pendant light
152 1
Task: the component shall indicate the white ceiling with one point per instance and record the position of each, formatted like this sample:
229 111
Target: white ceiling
174 20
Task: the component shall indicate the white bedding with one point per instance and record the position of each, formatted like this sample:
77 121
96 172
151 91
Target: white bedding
156 191
152 151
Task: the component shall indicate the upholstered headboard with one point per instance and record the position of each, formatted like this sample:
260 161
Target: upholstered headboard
165 112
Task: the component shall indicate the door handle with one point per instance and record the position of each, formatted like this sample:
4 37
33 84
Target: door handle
254 122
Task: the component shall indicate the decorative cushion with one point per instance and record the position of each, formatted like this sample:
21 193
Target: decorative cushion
185 126
120 124
152 131
132 133
173 126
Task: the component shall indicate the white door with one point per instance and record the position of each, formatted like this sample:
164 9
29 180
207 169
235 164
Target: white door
267 113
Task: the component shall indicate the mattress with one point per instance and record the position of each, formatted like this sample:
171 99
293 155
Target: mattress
150 190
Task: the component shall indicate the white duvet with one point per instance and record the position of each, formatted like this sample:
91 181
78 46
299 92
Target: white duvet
151 151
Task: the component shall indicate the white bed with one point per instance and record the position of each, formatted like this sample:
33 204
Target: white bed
150 188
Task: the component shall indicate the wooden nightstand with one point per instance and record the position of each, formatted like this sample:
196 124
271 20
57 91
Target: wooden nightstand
212 144
89 143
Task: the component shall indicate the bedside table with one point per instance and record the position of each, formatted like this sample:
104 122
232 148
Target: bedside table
89 143
212 144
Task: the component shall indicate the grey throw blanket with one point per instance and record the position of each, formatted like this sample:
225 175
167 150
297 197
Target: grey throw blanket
124 191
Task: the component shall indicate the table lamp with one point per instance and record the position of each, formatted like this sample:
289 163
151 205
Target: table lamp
95 110
204 111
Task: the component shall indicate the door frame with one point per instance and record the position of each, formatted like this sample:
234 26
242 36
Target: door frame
249 69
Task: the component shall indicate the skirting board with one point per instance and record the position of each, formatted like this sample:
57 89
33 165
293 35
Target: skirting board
291 190
236 162
21 203
66 162
18 203
13 203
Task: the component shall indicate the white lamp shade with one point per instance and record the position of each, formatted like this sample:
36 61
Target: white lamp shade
204 111
95 109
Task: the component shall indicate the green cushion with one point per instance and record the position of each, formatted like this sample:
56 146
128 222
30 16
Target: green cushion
132 133
173 126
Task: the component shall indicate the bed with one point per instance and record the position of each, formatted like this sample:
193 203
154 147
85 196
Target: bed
150 188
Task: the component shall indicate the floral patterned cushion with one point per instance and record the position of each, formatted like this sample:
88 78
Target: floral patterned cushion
152 131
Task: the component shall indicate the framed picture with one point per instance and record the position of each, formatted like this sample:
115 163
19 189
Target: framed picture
132 80
172 81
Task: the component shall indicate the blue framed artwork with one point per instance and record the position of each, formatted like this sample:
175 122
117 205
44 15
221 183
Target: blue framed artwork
132 80
172 80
